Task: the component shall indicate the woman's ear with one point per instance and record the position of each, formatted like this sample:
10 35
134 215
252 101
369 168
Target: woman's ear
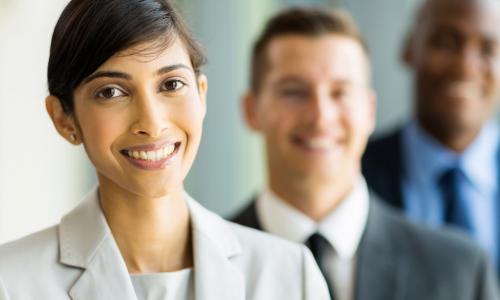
63 122
202 89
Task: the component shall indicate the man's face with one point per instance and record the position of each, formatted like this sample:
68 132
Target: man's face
455 55
314 108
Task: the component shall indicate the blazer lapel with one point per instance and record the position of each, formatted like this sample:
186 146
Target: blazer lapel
86 242
214 248
106 277
381 275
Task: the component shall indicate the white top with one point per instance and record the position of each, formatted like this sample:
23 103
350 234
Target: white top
164 286
342 228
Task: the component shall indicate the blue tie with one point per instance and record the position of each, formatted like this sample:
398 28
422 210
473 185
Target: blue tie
456 211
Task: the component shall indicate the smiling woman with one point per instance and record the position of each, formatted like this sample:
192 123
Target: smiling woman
149 104
125 82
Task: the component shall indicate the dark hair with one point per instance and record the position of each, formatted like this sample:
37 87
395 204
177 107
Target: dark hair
89 32
308 21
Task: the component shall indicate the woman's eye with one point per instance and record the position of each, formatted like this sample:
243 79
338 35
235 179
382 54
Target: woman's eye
110 92
172 85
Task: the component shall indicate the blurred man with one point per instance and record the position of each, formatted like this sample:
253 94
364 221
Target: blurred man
311 100
442 167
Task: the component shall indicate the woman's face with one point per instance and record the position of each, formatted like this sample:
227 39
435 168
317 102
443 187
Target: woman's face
140 118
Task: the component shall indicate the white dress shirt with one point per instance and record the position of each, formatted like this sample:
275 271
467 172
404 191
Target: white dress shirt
342 228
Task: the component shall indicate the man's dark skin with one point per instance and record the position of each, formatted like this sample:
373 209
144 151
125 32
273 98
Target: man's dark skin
454 52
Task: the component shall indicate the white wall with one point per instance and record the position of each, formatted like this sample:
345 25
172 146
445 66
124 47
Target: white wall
41 176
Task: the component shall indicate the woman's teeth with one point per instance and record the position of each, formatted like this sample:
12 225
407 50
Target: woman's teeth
152 155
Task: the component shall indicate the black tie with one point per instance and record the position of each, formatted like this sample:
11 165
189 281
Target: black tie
319 247
454 202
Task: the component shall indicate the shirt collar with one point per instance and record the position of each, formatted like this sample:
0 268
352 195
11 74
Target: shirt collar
479 160
342 228
427 158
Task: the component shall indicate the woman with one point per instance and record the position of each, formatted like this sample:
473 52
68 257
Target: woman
124 80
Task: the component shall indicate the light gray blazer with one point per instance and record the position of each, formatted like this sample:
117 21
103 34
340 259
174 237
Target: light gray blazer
79 259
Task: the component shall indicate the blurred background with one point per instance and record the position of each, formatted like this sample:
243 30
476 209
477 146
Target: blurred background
42 176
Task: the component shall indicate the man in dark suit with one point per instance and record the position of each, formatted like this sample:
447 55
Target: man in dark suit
442 167
310 98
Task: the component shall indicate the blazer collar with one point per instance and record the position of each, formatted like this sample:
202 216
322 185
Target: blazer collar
215 246
86 242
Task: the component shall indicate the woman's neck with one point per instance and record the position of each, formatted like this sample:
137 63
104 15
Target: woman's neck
153 234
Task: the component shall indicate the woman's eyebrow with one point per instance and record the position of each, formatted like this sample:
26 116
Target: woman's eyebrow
171 68
116 74
110 74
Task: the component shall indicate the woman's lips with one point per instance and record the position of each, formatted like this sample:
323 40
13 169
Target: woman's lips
151 157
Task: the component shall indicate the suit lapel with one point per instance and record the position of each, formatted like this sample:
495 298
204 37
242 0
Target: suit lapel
214 248
248 216
380 274
87 243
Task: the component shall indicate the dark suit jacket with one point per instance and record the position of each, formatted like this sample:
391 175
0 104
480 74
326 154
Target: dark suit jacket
384 170
398 260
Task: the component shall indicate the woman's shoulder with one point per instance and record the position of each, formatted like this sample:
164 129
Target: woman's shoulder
36 251
30 267
251 242
259 241
276 261
34 244
260 249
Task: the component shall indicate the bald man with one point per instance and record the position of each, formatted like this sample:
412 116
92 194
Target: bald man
442 167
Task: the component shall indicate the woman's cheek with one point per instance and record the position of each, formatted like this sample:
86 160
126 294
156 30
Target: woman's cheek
100 132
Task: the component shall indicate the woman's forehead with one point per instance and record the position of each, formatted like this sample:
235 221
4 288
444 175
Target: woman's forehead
154 54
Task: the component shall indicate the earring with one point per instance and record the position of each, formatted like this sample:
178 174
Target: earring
72 137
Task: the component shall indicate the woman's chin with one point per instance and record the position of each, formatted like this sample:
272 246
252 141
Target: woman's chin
144 190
